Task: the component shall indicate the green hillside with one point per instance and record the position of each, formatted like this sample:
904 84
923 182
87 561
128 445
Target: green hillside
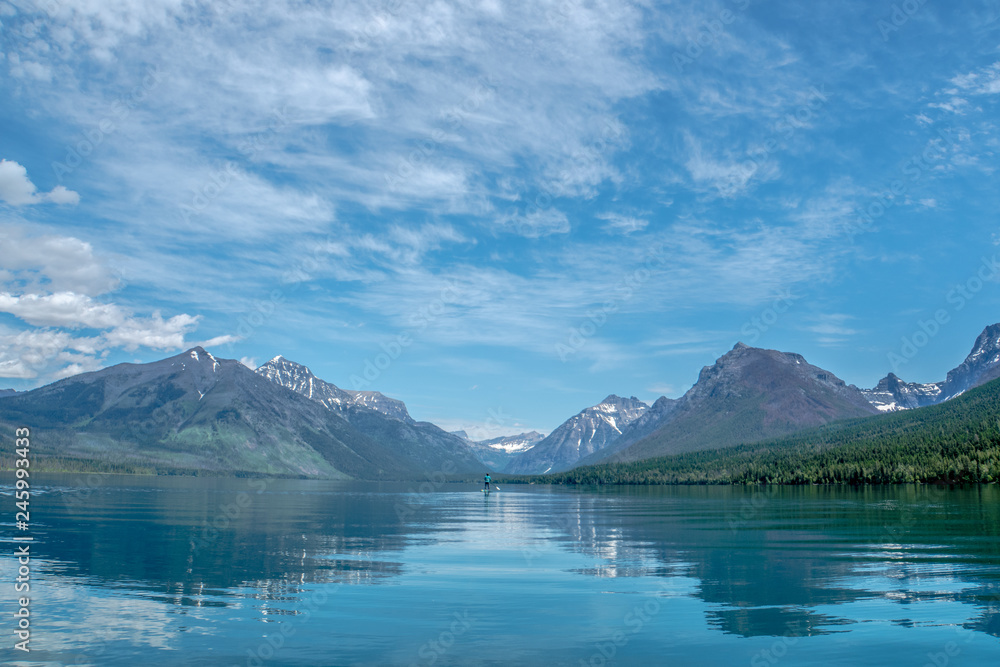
954 442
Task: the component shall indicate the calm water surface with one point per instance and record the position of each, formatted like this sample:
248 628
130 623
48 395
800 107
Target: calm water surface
188 571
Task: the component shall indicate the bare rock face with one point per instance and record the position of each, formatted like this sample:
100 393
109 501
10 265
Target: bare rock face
300 379
981 366
749 394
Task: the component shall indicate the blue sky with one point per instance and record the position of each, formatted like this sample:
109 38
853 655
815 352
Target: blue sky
498 212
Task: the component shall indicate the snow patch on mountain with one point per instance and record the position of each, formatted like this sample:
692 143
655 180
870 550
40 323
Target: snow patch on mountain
299 378
585 433
980 366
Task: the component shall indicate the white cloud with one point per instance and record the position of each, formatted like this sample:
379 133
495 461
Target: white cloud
78 364
662 389
16 369
985 81
732 175
52 263
21 68
956 105
307 95
218 341
429 97
249 362
536 223
23 354
60 195
153 332
693 263
62 309
408 245
32 353
34 274
102 27
623 224
832 328
17 189
445 99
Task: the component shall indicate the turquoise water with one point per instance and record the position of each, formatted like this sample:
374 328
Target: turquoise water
168 571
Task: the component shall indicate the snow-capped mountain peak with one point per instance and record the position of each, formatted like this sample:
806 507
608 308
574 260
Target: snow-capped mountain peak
299 378
583 434
980 366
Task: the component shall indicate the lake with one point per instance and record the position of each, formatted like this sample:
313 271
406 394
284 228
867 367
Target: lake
196 571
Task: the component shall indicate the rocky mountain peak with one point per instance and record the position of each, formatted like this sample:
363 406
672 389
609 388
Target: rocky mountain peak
297 377
614 402
581 435
745 366
980 366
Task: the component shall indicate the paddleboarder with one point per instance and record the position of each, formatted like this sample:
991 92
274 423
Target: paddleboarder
487 481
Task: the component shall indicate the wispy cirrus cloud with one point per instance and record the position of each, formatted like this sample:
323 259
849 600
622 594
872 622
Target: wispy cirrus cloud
623 224
361 158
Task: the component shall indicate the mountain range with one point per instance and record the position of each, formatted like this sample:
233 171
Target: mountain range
300 379
751 394
981 366
196 413
425 447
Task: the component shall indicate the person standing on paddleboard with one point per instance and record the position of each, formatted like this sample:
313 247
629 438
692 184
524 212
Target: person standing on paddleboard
487 479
